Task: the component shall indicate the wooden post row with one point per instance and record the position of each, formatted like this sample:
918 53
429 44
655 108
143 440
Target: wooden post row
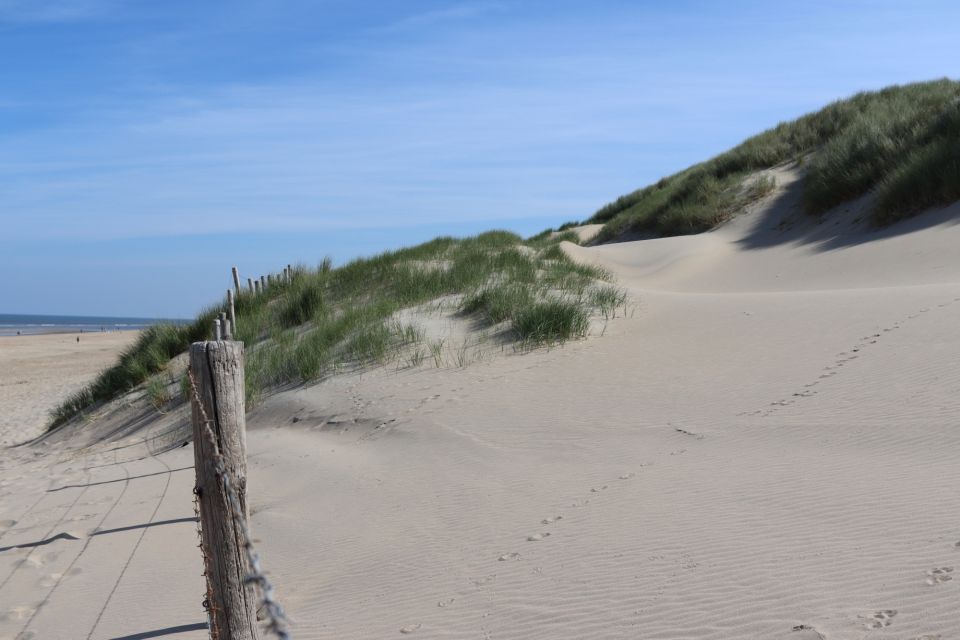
263 283
250 284
217 368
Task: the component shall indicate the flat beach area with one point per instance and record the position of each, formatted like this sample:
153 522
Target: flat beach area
37 372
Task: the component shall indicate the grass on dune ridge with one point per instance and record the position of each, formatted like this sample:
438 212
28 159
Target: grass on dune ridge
901 143
325 320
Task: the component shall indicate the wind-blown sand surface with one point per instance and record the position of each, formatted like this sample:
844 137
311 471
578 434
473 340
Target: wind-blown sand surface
37 372
765 448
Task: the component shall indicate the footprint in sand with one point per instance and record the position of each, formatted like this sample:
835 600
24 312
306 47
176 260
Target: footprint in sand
513 555
880 619
537 537
409 628
50 580
627 476
598 489
939 575
928 636
551 520
445 603
17 613
803 632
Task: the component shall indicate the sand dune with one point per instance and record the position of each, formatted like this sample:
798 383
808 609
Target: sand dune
765 447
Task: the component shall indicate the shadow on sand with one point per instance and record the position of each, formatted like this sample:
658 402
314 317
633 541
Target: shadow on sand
784 221
167 631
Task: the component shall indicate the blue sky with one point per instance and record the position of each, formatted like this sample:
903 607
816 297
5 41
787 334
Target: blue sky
145 147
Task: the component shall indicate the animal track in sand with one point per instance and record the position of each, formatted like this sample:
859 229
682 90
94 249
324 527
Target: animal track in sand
537 537
698 436
939 575
842 358
479 582
880 619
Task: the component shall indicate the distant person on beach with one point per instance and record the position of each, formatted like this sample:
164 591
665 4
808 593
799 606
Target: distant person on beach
78 339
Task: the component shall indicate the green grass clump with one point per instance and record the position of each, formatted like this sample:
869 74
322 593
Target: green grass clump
498 303
550 321
900 142
158 392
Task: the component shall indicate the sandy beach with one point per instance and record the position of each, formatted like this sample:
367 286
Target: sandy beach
764 447
37 372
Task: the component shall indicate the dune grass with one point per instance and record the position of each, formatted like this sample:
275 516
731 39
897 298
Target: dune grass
326 320
342 319
147 356
900 142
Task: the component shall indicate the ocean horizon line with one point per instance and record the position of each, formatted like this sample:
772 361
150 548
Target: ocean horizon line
13 324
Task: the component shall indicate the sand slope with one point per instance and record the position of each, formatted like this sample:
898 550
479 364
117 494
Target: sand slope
764 448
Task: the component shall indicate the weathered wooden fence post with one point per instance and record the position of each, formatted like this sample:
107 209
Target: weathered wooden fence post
256 286
250 284
217 369
224 325
217 329
233 312
263 283
236 279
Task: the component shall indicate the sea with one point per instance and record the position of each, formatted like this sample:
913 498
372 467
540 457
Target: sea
17 324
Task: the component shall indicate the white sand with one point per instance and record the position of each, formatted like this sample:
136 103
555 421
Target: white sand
38 372
769 441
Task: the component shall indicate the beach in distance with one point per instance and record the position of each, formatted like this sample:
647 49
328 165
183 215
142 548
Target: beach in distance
24 324
38 371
